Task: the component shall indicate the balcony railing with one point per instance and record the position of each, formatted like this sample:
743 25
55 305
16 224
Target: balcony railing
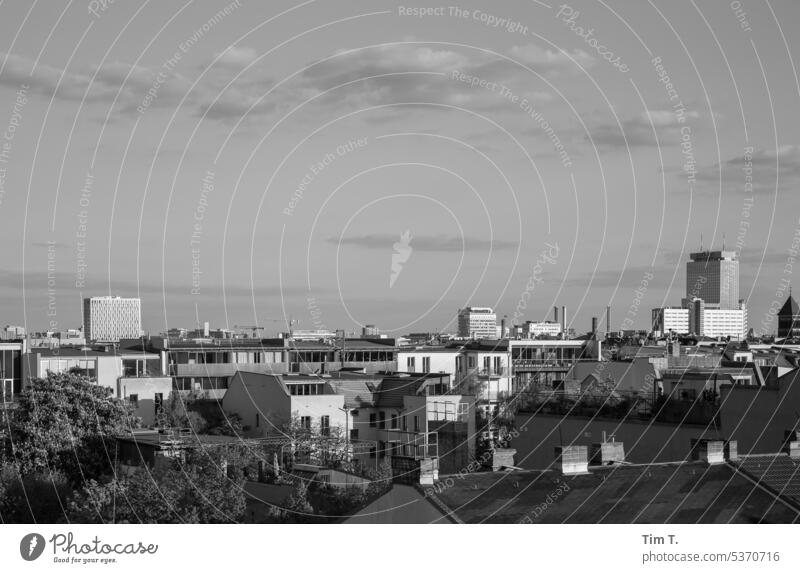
226 369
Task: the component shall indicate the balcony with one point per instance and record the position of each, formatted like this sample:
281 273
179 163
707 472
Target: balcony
227 369
546 364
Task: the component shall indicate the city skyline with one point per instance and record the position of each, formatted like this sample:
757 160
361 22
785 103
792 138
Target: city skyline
194 169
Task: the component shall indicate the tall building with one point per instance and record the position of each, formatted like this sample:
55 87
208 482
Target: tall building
111 318
789 319
477 322
714 277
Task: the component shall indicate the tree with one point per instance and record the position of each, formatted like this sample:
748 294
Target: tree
32 498
195 490
67 423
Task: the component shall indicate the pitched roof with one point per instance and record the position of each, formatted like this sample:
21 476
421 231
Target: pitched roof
778 472
789 308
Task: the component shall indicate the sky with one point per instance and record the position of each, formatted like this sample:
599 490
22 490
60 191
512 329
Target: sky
344 163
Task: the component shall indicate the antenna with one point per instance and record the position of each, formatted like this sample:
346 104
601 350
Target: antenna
723 241
701 242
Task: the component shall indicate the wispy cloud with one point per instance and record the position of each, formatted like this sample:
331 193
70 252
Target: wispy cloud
426 243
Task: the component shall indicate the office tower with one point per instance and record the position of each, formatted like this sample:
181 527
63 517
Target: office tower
111 318
714 277
477 322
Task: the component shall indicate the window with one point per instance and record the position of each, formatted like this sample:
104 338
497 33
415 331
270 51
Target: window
305 422
405 423
416 423
354 434
471 362
487 363
134 400
394 422
354 413
372 418
325 425
382 420
463 408
498 365
382 449
426 364
159 402
372 452
410 363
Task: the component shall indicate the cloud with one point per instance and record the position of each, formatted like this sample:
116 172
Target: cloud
116 80
551 60
637 131
426 243
770 169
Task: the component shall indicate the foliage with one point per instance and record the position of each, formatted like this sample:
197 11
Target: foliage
67 423
197 490
32 498
184 411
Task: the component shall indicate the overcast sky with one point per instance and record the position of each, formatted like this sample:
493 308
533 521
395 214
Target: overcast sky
265 162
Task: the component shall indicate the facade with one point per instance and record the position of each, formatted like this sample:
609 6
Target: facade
267 403
111 318
424 359
477 322
11 369
720 322
671 319
544 328
714 277
789 319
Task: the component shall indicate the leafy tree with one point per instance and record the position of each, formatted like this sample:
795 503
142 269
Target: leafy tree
34 497
195 490
67 423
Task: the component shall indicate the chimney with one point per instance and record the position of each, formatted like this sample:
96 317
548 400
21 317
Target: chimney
608 318
709 451
791 443
555 314
607 453
428 471
503 327
503 458
572 460
564 320
594 325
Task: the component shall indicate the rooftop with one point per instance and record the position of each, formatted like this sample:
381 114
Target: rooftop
689 492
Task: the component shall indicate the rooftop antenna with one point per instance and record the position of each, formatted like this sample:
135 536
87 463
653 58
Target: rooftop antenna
701 242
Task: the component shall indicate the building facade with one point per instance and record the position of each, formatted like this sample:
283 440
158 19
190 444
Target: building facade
789 319
111 318
714 277
477 322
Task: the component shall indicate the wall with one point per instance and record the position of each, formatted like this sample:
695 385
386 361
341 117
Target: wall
318 406
263 395
758 417
146 390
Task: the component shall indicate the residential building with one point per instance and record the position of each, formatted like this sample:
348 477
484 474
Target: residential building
477 322
268 403
425 359
111 318
11 376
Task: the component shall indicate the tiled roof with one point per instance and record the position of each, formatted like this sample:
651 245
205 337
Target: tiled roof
776 471
691 492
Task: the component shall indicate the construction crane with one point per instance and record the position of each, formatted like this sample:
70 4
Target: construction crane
255 329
